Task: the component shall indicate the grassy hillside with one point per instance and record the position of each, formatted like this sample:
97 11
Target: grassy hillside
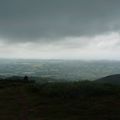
111 79
59 101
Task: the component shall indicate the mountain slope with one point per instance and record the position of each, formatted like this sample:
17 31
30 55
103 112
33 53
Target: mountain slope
112 79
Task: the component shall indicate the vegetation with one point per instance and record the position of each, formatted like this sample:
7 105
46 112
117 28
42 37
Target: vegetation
27 100
112 79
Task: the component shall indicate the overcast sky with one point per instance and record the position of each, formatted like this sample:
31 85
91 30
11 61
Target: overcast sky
60 29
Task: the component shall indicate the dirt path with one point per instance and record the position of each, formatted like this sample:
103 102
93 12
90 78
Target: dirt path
23 102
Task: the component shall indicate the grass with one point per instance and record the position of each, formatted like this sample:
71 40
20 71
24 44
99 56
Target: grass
59 101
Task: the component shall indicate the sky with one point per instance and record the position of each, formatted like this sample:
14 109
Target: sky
60 29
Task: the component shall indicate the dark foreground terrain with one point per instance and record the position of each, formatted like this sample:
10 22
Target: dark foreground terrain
59 101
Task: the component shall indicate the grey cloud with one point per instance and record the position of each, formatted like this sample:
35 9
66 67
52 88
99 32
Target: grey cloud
30 20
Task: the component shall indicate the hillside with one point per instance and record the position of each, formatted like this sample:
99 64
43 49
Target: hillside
59 101
112 79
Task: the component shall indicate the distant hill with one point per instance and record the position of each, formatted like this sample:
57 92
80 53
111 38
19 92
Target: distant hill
112 79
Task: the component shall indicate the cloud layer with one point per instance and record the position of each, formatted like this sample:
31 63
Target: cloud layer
81 29
48 20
